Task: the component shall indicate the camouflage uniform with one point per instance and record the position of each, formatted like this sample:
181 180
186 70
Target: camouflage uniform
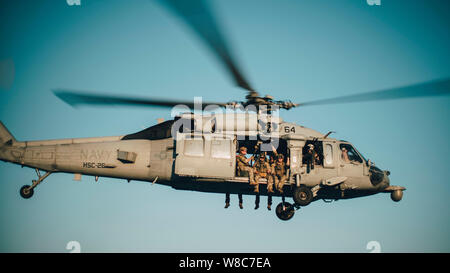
263 169
279 174
242 165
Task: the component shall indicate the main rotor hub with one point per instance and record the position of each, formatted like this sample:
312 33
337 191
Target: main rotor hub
254 99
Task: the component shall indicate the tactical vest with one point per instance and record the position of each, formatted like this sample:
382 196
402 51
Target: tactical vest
279 168
262 167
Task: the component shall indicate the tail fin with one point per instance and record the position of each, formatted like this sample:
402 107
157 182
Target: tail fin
5 135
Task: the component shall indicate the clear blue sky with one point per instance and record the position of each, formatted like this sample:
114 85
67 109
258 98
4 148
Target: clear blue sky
298 50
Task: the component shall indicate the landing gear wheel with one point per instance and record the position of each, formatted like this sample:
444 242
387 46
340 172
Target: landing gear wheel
287 213
26 192
303 196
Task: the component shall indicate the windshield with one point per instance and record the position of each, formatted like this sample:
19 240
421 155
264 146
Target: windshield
361 154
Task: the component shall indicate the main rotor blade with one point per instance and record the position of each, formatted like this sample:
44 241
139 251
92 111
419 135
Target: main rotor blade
197 15
80 98
427 89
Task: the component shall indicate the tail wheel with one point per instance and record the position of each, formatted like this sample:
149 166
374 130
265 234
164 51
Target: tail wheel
26 192
303 196
285 213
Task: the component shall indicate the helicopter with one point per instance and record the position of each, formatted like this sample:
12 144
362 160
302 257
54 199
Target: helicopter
196 151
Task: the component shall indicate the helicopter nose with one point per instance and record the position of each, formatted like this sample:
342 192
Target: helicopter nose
386 181
378 178
386 177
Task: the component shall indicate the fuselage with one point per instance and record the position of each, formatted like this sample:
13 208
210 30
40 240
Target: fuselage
161 155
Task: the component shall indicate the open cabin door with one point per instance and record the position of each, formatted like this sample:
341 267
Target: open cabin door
205 155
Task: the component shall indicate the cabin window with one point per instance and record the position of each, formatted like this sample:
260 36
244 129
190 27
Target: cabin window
221 148
194 147
328 154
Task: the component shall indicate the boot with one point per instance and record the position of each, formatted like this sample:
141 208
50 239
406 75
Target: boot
269 207
241 206
227 205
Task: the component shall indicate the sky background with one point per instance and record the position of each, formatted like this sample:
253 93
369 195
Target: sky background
298 50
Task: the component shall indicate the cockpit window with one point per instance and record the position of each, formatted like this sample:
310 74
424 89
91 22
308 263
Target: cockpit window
349 154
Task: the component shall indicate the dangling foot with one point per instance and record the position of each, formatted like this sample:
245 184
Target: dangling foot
227 205
241 206
269 207
256 206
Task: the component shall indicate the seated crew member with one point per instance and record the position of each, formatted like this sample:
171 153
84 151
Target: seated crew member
344 155
242 164
262 169
272 158
279 170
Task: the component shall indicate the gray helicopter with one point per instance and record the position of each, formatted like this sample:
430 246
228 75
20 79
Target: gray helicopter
197 151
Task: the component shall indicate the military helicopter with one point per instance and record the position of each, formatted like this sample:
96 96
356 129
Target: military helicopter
197 152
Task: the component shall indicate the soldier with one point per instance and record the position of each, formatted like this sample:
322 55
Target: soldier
243 164
272 158
263 169
309 158
279 172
